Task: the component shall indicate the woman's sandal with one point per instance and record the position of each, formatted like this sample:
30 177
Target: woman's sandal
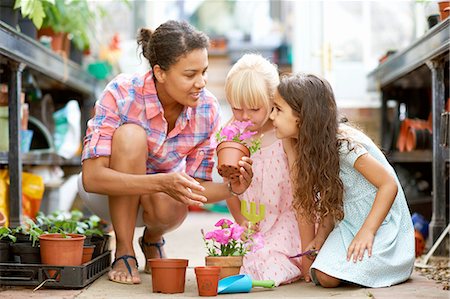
143 244
125 258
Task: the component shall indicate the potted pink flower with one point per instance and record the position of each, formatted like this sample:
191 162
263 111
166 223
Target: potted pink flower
227 245
233 142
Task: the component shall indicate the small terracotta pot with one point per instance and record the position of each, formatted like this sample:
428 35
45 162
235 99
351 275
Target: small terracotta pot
88 250
59 251
207 280
2 219
168 275
444 9
229 153
229 265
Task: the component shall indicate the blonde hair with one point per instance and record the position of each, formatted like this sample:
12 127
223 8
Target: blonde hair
252 82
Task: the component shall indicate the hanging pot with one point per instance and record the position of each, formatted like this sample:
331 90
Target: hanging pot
229 153
168 275
229 265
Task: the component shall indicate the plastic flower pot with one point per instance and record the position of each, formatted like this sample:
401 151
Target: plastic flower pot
207 280
229 153
88 250
61 250
168 275
229 265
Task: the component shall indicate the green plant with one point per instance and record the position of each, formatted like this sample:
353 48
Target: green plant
34 9
73 223
73 17
33 230
6 232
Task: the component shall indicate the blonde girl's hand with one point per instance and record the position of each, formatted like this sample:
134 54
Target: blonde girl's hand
363 241
180 187
240 184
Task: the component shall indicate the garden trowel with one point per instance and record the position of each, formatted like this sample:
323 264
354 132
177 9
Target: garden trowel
241 283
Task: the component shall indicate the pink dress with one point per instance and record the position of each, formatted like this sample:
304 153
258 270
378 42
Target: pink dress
271 186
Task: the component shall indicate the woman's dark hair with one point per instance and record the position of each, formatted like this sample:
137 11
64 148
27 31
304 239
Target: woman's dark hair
318 190
169 42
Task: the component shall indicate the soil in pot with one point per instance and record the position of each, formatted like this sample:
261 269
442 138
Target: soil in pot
207 280
168 275
229 265
228 154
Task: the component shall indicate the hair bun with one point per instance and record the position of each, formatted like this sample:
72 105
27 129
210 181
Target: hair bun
143 40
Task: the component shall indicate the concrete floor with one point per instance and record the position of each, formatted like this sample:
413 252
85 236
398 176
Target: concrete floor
186 242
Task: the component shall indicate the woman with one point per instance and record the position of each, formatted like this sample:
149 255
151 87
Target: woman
147 147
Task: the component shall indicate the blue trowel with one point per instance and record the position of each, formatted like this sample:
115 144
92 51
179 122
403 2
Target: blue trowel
241 283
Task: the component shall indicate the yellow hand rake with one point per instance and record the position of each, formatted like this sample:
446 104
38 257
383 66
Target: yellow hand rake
252 215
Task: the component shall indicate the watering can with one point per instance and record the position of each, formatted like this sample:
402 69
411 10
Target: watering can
241 283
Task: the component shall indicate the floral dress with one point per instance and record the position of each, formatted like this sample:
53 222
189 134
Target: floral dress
271 186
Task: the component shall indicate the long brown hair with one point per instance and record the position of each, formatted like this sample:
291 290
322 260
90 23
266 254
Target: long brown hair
318 190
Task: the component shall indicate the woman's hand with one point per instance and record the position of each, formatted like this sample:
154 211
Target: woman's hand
241 184
363 241
179 186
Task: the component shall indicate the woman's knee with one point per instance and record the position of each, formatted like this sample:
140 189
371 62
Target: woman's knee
326 280
129 143
163 211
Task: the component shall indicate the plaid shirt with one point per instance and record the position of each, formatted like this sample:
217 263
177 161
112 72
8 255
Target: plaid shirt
133 99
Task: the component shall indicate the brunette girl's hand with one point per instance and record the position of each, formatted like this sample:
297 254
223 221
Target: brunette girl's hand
307 260
180 187
240 184
363 241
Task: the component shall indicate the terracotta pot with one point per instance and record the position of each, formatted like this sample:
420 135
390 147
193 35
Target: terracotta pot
229 153
168 275
229 265
88 250
60 40
207 280
444 9
2 219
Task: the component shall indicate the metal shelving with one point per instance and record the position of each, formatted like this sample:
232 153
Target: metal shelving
422 65
18 52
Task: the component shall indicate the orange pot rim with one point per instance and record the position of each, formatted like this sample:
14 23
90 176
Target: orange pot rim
233 144
168 263
59 237
207 270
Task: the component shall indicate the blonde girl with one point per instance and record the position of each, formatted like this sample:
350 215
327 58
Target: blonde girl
250 87
365 234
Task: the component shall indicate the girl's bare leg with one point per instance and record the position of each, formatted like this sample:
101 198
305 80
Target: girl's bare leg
326 280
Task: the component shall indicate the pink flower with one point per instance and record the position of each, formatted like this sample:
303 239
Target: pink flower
230 132
236 231
231 239
237 131
242 125
224 223
246 135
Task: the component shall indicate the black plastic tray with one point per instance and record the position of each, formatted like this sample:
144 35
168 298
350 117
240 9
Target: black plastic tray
59 276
